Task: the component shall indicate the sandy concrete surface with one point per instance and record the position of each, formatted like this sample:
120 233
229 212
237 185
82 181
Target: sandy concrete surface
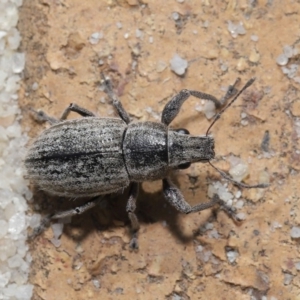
69 42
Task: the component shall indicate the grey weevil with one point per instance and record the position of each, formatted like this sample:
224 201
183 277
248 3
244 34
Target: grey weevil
93 156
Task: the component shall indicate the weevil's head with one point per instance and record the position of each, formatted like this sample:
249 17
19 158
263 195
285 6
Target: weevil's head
185 149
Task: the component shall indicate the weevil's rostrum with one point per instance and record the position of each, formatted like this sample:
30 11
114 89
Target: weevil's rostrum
94 156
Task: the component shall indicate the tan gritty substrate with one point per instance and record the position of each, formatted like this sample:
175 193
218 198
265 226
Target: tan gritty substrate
180 256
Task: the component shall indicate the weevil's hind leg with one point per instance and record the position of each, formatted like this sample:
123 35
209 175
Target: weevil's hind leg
176 199
45 223
114 99
172 108
67 213
130 208
41 116
78 109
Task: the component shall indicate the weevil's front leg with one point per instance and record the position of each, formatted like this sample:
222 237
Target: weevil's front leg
130 208
176 199
78 109
67 213
43 117
172 108
115 101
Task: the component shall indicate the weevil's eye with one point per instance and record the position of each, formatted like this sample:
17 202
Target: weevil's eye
182 131
184 166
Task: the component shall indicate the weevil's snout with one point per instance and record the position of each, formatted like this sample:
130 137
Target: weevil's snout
206 148
185 149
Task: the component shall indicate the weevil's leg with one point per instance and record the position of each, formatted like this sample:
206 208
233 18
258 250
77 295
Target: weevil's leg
231 91
38 230
130 208
176 199
172 108
79 209
115 101
40 116
229 210
67 213
76 108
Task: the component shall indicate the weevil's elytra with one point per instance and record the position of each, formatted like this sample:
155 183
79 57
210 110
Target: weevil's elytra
94 156
77 158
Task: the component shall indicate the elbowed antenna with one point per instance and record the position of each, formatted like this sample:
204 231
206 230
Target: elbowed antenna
240 184
218 115
223 174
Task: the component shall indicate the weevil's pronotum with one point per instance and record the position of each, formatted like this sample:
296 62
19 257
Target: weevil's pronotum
93 156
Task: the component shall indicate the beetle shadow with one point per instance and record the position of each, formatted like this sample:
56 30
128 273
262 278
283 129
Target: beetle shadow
153 208
111 213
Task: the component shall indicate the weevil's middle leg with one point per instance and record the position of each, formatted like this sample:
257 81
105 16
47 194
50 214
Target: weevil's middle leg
176 199
67 213
78 109
115 101
130 208
172 108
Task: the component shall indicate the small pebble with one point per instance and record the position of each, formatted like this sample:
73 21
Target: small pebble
239 171
282 60
241 216
35 86
96 283
119 25
242 64
56 242
288 278
239 204
178 64
243 115
57 229
295 232
254 38
139 33
175 16
95 37
232 255
254 56
236 29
